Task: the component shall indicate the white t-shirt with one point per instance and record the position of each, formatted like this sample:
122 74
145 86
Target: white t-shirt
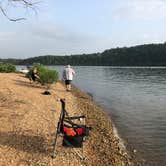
68 73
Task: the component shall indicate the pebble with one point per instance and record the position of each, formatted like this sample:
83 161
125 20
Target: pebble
135 151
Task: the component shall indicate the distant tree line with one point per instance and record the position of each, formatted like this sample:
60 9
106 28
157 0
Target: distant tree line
12 61
143 55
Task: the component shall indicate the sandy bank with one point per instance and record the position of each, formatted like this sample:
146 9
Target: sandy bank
28 121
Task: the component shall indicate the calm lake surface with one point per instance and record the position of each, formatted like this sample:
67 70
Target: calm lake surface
135 97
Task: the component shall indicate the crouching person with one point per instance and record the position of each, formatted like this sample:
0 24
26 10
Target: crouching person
33 76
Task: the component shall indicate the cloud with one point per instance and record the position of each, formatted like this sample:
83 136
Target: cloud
7 35
61 34
141 10
50 38
47 32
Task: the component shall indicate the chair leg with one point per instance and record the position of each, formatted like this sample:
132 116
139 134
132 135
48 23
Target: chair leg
55 144
76 151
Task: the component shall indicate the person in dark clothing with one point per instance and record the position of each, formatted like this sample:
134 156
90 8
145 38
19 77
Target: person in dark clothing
34 76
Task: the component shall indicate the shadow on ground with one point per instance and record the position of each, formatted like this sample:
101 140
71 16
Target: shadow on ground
25 143
28 84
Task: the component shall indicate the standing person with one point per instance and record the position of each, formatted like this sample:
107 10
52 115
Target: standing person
68 74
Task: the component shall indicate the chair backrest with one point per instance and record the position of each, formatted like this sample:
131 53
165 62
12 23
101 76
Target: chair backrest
66 123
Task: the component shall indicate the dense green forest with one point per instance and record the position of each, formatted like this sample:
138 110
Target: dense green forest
12 61
142 55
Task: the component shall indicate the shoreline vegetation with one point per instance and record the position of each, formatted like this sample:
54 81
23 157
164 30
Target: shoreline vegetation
29 120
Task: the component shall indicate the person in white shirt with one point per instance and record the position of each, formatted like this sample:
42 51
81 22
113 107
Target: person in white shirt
68 74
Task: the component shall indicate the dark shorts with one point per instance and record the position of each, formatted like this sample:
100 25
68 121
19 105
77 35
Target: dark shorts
67 82
33 77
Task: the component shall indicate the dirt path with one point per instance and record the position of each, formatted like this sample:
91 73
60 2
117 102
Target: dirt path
28 121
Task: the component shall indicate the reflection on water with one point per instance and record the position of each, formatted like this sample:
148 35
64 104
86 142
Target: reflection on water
136 99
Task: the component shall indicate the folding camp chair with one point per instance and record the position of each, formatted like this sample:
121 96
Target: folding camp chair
73 134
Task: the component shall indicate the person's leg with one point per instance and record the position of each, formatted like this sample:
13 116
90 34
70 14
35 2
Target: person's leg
68 88
66 83
69 85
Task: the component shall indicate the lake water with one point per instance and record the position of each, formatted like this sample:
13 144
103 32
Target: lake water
135 97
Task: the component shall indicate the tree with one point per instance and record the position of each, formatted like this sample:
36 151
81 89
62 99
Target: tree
25 4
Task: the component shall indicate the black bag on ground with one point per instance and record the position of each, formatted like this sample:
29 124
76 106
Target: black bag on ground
73 141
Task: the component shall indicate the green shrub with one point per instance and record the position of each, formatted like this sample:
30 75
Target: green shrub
46 76
7 68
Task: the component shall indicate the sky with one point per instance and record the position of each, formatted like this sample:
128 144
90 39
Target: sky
65 27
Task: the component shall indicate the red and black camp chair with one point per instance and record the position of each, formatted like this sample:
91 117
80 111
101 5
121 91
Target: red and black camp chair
73 133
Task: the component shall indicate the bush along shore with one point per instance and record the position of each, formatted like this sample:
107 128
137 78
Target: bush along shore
7 68
29 120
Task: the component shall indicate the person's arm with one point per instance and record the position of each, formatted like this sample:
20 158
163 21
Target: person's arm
37 76
73 72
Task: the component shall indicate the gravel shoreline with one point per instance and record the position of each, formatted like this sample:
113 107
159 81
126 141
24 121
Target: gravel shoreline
28 121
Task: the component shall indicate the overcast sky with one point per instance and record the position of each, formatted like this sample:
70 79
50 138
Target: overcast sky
64 27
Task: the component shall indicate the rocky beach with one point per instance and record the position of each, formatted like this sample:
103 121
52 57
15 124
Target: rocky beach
28 121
